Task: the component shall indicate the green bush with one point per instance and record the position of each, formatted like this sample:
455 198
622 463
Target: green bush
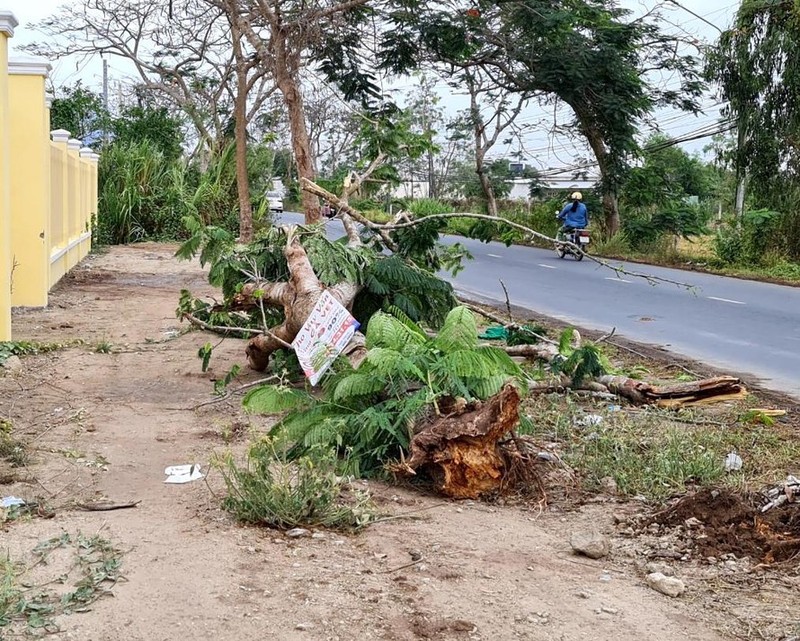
645 229
749 240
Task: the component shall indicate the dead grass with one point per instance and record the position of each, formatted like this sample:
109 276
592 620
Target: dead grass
657 453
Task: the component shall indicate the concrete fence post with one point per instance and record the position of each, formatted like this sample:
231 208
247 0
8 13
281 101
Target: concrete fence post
59 195
74 191
7 24
30 181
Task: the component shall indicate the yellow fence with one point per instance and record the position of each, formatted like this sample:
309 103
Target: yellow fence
48 187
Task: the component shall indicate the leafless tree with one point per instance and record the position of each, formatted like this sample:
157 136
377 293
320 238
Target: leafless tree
190 55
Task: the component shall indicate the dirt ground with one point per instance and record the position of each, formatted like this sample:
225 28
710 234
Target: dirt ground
105 425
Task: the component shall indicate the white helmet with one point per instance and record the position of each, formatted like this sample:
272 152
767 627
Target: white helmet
576 195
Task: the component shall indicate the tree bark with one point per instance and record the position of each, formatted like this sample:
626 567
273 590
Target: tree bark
240 138
461 451
297 298
286 77
605 163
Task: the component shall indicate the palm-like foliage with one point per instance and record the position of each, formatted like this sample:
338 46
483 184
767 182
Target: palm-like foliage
372 412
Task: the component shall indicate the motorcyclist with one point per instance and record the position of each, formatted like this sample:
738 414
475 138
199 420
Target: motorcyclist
574 215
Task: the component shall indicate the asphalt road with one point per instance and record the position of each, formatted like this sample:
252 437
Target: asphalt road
745 327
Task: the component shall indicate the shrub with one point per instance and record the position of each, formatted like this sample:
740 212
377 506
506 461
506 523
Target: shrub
749 240
271 490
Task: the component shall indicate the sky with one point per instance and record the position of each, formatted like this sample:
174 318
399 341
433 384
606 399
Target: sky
541 149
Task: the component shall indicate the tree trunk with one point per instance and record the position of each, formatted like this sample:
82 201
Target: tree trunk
240 137
486 185
609 179
287 80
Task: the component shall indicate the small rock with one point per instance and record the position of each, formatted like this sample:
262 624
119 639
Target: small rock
296 533
668 585
654 567
712 560
584 594
304 626
318 535
591 544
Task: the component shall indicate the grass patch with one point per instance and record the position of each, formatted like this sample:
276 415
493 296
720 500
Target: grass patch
11 450
26 348
307 491
86 568
659 453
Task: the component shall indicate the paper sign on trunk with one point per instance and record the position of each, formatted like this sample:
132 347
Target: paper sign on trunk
323 336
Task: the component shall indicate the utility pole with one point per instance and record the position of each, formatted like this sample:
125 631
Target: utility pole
105 98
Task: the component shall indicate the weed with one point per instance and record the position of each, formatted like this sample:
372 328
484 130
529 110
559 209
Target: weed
615 247
11 449
94 568
273 491
657 453
25 348
103 347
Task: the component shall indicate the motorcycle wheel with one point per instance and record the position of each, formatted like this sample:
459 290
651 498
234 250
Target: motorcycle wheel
560 251
578 255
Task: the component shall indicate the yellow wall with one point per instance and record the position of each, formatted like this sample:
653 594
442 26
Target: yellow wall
30 208
7 24
48 189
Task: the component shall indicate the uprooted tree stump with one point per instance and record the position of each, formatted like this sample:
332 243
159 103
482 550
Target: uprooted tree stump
461 451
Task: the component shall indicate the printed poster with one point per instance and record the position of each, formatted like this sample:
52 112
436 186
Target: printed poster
323 336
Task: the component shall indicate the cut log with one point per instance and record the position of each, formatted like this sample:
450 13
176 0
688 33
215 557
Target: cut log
461 452
709 390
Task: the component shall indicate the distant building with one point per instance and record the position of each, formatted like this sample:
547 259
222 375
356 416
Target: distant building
520 187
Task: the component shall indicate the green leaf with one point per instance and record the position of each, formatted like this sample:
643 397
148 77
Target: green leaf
272 399
460 331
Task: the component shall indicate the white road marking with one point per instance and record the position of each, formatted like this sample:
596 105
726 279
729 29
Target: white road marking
546 266
618 280
494 255
726 300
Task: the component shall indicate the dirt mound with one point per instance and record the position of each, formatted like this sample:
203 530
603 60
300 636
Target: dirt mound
731 524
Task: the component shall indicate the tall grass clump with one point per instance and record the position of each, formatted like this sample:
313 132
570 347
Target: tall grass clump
140 194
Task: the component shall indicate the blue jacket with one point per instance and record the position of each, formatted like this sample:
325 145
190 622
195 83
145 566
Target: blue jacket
578 219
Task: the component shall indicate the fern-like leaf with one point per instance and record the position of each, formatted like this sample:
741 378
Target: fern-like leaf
272 399
460 331
357 385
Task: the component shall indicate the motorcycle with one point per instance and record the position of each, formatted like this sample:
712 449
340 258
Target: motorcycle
575 243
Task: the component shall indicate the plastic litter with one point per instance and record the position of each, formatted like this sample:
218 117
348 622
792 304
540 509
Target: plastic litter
614 408
11 501
733 462
183 473
590 420
494 333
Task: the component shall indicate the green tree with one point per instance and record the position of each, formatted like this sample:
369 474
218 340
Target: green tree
81 112
667 175
136 124
756 64
590 54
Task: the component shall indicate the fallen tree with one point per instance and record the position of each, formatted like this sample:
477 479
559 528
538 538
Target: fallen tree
441 403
